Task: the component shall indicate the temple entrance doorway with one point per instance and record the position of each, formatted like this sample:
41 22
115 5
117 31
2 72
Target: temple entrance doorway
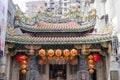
57 72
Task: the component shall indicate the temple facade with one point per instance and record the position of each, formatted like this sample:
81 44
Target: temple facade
51 48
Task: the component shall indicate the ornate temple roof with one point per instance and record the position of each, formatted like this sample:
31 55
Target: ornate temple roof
60 40
37 24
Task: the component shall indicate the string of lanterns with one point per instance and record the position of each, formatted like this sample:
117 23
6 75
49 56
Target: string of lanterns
23 60
91 60
58 54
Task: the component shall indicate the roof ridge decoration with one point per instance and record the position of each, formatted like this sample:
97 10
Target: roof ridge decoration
60 40
31 24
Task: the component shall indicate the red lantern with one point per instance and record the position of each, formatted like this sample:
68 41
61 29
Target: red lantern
42 52
96 57
90 61
73 52
91 71
73 62
23 71
41 62
66 52
18 58
90 57
50 52
58 52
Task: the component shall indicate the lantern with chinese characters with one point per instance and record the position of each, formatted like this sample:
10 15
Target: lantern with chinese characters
96 57
66 52
41 62
58 52
91 71
73 52
23 71
50 52
42 52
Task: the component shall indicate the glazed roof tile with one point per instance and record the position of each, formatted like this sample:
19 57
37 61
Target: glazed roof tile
59 40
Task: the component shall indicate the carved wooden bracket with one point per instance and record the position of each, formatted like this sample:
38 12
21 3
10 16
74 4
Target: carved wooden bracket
6 49
32 48
104 44
84 47
109 48
78 46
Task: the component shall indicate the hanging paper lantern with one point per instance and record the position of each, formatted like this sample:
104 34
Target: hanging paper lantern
41 62
91 66
90 57
50 52
91 71
18 58
23 71
73 52
24 62
66 52
24 66
90 61
42 52
58 52
73 62
96 57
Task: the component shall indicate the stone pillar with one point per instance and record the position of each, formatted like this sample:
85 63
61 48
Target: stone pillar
33 72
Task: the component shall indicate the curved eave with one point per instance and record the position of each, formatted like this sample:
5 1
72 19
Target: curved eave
82 28
66 41
30 29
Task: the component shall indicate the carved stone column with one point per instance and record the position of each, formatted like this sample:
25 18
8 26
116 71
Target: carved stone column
33 71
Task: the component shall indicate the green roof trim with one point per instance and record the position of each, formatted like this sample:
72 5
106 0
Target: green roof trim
76 40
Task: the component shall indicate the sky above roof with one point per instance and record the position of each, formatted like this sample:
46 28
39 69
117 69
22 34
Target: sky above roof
21 3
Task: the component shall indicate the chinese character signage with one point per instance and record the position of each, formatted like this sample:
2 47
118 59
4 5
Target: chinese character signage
3 24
